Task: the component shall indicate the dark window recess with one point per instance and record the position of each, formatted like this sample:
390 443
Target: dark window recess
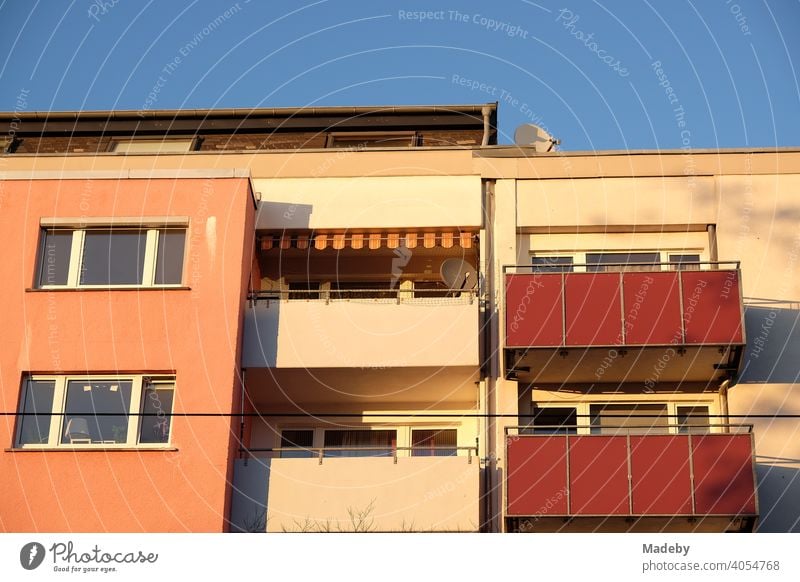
556 420
434 443
304 290
360 443
359 141
54 264
600 262
552 264
157 413
685 262
113 258
84 398
35 429
300 439
692 419
431 289
169 257
363 290
622 418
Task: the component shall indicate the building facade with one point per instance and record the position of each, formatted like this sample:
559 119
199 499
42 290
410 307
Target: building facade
379 319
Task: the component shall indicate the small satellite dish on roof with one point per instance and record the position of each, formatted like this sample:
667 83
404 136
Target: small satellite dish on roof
458 274
529 134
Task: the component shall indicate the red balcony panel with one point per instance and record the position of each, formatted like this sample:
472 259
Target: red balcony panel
598 474
593 309
534 310
537 476
661 468
652 308
712 308
723 474
661 476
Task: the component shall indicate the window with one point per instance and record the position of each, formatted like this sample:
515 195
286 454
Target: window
552 264
684 262
692 419
152 146
555 420
638 418
360 443
434 443
111 256
599 262
37 402
358 141
299 441
95 411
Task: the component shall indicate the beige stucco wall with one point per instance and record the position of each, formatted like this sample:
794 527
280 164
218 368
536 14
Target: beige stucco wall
752 198
757 218
362 333
616 201
411 494
760 223
371 202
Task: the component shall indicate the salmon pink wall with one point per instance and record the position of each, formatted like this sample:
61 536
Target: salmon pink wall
193 332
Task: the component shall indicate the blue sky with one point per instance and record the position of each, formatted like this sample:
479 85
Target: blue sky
597 75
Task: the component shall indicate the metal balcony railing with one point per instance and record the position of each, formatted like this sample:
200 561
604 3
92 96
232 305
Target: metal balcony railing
631 471
430 296
321 453
624 304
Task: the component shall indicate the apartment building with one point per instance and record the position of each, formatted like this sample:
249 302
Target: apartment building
379 319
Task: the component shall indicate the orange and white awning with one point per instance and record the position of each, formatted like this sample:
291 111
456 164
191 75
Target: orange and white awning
368 240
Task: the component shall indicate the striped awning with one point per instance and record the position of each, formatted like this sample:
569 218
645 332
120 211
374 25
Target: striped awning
367 240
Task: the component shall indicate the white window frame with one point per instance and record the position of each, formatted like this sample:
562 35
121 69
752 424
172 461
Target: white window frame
303 427
579 257
164 144
370 136
583 410
59 405
76 254
403 433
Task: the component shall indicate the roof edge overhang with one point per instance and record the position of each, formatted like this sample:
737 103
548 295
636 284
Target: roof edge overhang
246 113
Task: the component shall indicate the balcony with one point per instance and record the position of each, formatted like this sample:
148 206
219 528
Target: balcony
375 490
629 480
361 329
651 326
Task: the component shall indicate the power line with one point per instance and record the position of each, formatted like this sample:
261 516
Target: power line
376 415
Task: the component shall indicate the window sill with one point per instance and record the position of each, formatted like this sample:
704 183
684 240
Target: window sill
99 449
108 288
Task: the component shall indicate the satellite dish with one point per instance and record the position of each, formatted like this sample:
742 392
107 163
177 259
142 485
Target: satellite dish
458 274
529 134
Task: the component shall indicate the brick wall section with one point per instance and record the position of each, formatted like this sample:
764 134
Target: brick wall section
232 142
452 138
59 145
263 141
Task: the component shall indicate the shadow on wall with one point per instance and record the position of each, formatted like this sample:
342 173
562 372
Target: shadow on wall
249 496
778 497
260 345
278 215
773 342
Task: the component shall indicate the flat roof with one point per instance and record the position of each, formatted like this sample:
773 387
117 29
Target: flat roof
250 112
516 151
